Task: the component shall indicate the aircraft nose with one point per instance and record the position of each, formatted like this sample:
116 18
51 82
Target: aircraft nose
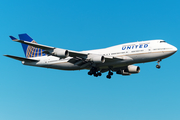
175 49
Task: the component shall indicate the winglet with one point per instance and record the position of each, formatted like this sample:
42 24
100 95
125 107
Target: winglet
13 38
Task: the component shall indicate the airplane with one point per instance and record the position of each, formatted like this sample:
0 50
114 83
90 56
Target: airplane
120 58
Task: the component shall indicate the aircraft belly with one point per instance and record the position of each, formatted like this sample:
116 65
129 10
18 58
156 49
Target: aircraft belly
65 66
148 57
60 65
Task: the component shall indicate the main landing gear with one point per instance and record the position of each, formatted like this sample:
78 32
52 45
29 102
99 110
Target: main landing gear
94 72
109 74
158 65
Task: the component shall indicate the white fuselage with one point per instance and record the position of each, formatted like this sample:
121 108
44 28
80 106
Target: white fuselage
129 53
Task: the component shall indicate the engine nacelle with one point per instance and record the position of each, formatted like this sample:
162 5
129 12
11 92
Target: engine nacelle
96 58
60 53
129 70
122 72
132 69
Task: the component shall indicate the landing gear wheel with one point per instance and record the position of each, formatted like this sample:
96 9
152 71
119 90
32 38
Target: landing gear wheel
95 75
99 74
110 73
158 66
108 76
92 71
89 73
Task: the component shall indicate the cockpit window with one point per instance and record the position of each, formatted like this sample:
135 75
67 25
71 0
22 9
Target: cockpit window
163 41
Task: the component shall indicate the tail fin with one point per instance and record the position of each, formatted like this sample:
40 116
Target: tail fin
30 51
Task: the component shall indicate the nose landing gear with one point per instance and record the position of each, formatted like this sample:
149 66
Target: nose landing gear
158 65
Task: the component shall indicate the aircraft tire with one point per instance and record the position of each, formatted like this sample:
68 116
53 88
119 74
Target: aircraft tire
110 73
89 73
95 75
99 74
158 66
108 76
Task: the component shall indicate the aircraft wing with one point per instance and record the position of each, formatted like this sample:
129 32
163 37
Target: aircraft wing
71 53
21 58
113 58
49 48
44 47
75 54
80 54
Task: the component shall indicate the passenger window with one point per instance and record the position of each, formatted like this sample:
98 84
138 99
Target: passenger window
162 41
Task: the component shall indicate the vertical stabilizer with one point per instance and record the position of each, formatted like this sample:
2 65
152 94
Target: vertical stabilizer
30 51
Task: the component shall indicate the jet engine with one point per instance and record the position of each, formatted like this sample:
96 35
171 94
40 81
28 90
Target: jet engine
96 58
130 69
60 53
122 72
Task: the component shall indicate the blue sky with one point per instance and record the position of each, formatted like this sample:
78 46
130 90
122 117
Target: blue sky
31 93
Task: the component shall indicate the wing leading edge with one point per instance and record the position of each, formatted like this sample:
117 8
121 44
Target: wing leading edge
49 48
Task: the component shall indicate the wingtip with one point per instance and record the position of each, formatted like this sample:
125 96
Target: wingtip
13 38
6 55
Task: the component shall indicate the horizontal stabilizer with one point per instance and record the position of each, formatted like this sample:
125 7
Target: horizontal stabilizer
21 58
13 38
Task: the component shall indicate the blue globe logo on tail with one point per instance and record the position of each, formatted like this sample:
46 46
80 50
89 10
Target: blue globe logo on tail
30 51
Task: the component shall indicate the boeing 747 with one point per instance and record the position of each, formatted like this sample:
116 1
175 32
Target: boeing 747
119 58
